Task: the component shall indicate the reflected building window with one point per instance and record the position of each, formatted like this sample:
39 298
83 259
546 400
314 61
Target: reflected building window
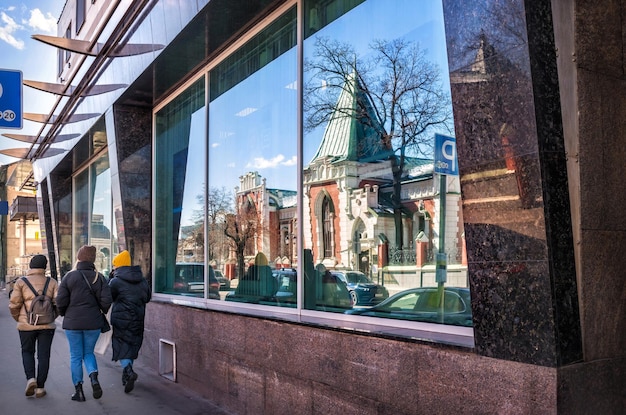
327 227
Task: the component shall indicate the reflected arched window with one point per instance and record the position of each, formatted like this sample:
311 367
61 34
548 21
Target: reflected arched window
327 227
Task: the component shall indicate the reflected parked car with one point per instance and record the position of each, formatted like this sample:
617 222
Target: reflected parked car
189 278
224 282
287 287
363 290
423 304
333 293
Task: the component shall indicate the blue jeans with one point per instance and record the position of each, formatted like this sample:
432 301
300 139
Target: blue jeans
82 343
126 362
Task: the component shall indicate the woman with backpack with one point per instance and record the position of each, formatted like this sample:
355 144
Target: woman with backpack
36 332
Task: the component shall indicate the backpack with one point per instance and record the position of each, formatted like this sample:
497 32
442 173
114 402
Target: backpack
42 311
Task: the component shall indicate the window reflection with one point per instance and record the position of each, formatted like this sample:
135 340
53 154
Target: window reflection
372 204
374 98
101 215
92 217
180 154
252 166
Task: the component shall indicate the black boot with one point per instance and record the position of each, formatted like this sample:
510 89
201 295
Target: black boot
79 395
95 385
128 378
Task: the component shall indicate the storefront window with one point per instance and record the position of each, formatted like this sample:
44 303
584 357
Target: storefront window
101 215
179 165
375 95
92 217
252 166
374 99
81 210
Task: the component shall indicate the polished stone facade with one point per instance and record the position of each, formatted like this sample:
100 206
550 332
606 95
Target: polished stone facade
541 153
510 141
132 181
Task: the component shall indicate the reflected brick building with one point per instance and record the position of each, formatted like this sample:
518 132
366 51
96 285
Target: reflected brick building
536 90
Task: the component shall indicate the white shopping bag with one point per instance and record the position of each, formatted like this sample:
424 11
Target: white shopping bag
102 345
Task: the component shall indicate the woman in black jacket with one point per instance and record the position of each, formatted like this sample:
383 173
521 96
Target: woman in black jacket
130 292
82 294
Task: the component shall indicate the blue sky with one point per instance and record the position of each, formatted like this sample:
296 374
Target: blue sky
19 20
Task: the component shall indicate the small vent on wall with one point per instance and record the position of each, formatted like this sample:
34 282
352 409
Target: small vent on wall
167 359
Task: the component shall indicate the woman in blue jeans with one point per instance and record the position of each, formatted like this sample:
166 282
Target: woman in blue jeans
83 293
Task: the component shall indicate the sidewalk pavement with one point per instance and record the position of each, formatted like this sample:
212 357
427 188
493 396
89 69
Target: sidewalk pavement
153 394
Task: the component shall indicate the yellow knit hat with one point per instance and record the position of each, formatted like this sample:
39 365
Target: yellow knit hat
122 259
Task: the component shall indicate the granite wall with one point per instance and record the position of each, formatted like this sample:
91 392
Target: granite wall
536 89
260 366
590 46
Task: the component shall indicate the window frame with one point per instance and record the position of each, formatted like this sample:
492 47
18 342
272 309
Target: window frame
439 333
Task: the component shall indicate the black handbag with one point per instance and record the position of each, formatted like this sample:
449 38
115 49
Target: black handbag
105 322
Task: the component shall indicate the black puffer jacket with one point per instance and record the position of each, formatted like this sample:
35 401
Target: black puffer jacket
131 292
75 301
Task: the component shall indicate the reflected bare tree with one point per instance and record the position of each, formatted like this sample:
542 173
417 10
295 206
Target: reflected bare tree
399 95
241 228
218 206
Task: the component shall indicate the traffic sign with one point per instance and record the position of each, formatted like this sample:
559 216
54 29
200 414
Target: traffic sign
445 155
10 99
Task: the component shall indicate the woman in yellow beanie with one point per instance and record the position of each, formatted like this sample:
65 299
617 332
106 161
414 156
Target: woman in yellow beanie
130 292
122 259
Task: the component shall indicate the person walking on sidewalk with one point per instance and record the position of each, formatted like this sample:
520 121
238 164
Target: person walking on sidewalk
130 292
84 295
34 336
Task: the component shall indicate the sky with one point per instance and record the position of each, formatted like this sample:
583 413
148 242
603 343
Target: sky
19 20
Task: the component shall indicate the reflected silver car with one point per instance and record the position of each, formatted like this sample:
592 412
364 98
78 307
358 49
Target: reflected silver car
425 304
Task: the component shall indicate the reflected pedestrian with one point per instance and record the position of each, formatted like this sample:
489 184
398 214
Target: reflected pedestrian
83 296
130 292
34 336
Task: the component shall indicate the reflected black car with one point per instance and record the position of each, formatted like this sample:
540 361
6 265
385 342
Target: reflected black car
224 282
189 278
333 293
363 290
424 304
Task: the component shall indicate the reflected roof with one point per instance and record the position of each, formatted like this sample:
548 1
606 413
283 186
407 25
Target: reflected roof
354 131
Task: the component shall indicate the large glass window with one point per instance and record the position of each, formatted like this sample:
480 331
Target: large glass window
377 220
252 166
382 232
101 214
179 165
92 214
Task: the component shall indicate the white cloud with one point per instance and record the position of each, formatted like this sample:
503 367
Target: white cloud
291 162
263 163
38 21
7 28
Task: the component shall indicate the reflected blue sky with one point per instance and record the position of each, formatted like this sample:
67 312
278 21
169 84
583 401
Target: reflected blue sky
252 127
415 21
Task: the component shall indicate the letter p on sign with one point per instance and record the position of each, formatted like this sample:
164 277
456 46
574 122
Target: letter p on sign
445 155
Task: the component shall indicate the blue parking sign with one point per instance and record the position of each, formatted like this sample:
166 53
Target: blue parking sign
445 155
10 99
